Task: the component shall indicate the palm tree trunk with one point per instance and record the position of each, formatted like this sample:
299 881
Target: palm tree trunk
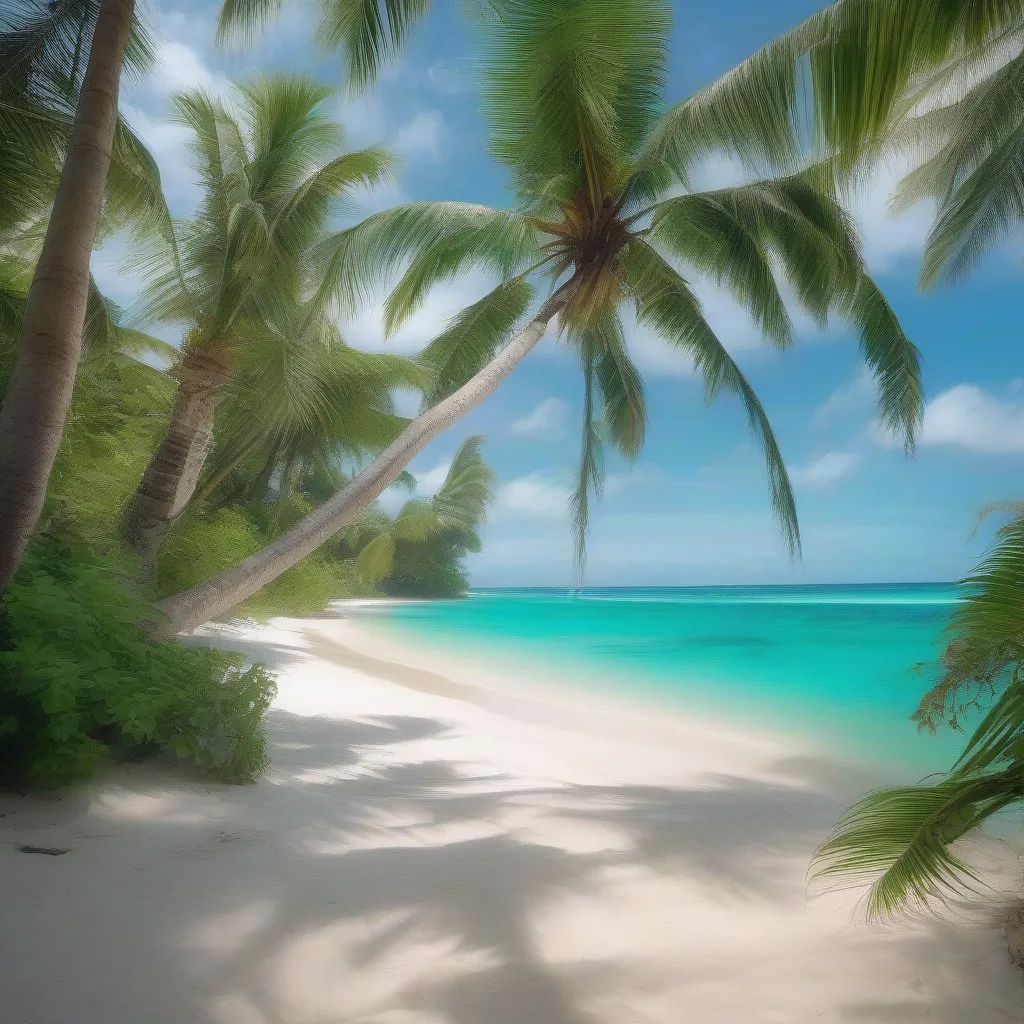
173 472
227 589
39 394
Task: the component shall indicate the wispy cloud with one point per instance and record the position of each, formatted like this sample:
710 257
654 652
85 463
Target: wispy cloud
547 417
854 396
426 136
826 470
533 495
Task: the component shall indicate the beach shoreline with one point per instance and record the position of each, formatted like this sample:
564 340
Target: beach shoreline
432 849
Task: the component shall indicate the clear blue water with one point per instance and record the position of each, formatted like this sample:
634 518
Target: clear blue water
831 663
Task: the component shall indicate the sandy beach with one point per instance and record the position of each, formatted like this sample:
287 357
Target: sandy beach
428 849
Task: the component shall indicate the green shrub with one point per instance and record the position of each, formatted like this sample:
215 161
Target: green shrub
80 681
202 545
430 568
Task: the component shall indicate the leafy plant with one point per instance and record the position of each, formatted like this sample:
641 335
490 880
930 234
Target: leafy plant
908 842
80 681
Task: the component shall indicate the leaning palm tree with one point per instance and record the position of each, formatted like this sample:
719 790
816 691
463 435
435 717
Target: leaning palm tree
44 77
573 94
239 273
459 509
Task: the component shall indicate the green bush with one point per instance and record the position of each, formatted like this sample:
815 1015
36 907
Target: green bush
431 568
204 544
80 681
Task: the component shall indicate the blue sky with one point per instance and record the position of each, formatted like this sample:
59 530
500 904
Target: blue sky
694 509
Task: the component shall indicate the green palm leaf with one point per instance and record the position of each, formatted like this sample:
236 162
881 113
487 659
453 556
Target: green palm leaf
574 84
462 501
376 558
472 337
665 303
428 239
904 840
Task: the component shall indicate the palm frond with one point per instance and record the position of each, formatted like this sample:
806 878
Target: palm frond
416 521
472 337
353 263
893 358
573 85
623 405
368 33
903 841
742 236
590 470
665 303
833 84
982 659
376 558
462 501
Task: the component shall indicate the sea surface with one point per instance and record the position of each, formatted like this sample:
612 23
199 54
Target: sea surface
834 664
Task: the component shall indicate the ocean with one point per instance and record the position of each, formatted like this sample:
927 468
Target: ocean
833 664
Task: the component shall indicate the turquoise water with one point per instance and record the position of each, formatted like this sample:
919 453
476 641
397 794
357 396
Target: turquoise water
832 663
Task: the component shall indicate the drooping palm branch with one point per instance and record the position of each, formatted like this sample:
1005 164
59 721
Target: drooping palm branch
905 842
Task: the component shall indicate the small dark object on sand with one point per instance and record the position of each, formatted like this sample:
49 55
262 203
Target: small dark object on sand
50 851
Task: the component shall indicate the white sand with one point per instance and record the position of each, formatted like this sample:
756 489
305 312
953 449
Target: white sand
427 852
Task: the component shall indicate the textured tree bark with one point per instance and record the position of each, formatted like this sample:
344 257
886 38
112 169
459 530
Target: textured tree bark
1015 934
39 394
173 472
227 589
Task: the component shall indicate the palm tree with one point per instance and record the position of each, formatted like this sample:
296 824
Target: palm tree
456 512
240 273
42 68
573 93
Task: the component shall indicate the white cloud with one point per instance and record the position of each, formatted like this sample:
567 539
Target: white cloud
442 303
965 416
548 416
428 482
533 495
888 239
425 136
826 470
407 401
179 67
364 118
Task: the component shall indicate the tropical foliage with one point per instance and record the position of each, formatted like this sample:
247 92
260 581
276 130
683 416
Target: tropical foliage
573 93
933 82
906 840
418 553
239 277
45 74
